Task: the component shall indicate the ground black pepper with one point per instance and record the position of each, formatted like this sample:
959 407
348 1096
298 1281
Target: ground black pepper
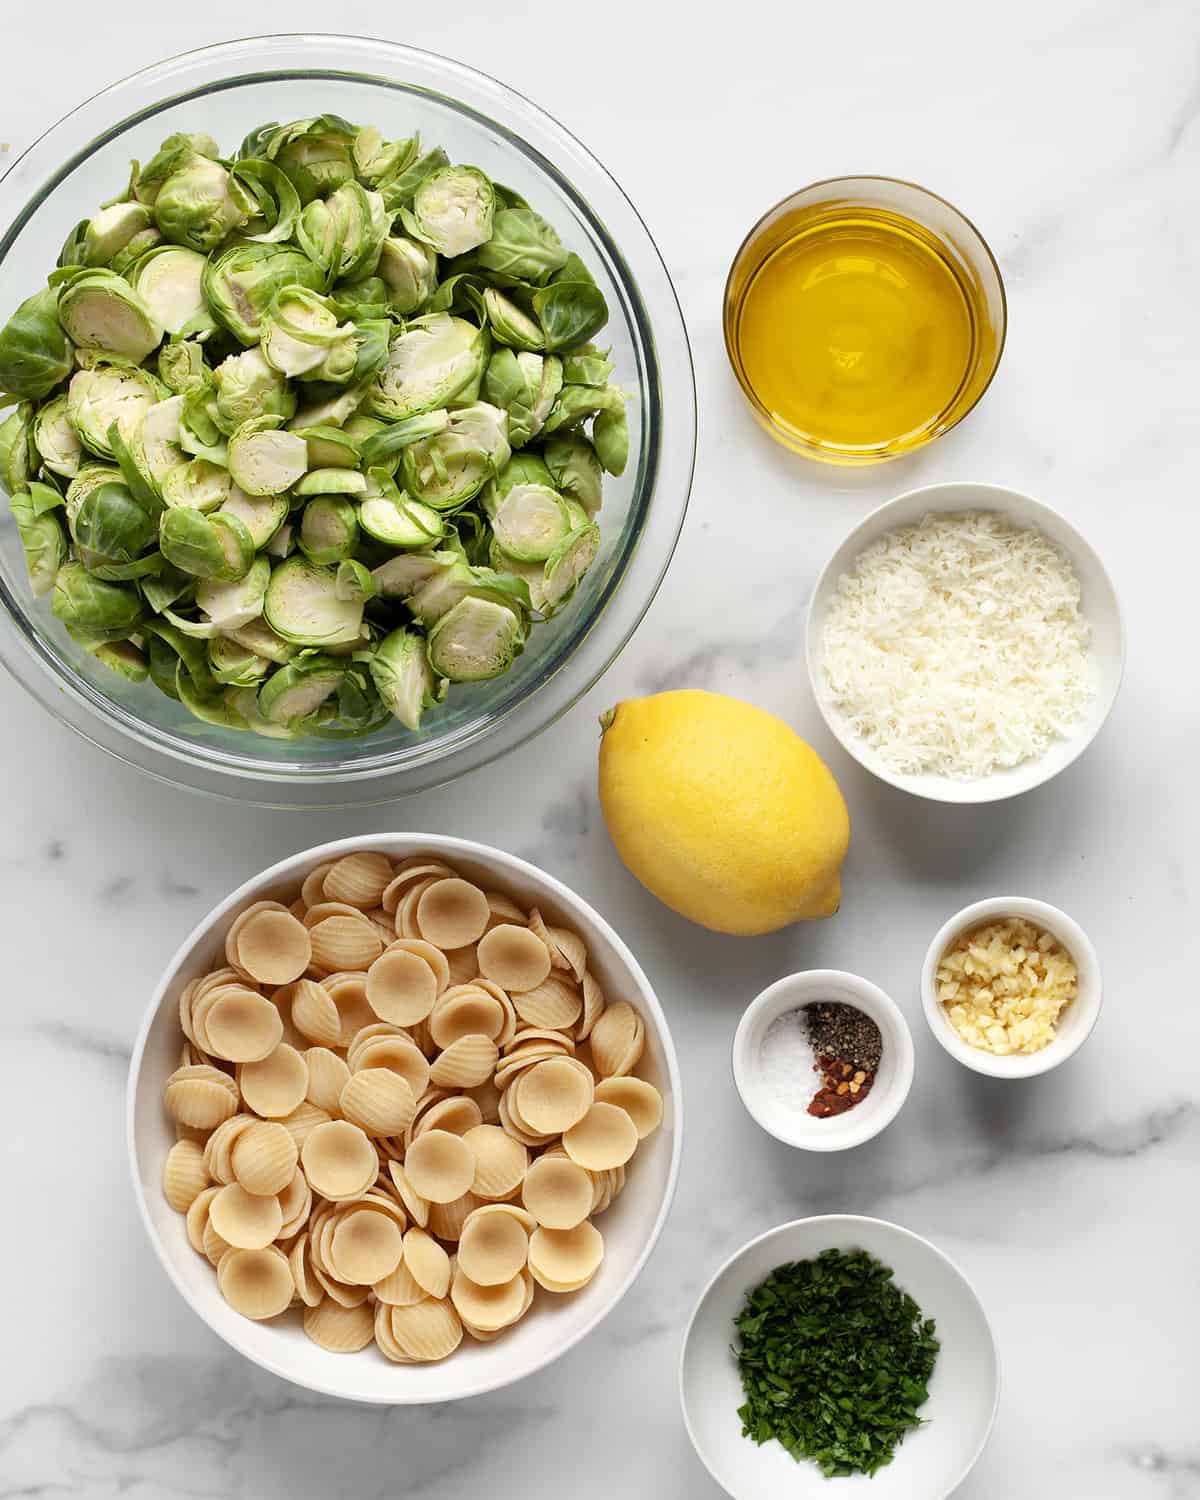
848 1048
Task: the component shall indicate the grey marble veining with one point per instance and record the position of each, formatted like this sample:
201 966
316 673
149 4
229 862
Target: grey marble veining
1070 132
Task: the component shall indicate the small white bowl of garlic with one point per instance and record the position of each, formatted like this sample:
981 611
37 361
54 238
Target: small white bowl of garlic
1011 987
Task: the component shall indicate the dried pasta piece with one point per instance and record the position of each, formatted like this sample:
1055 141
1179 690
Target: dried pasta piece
184 1175
197 1218
378 1101
408 873
427 1262
466 1011
273 947
342 943
384 1200
452 913
399 1054
447 1219
456 1113
328 1075
554 1005
488 1308
593 1006
200 1097
640 1100
557 1192
617 1040
487 1100
502 908
492 1249
276 1084
214 1246
358 879
516 1130
303 1120
462 965
432 955
514 957
500 1161
235 928
406 911
295 1204
567 951
401 987
349 994
418 1207
312 891
243 1026
427 1331
385 1339
218 1149
552 1095
565 1259
186 996
339 1161
244 1220
365 1247
400 1289
469 1061
256 1283
605 1137
264 1158
343 1294
340 1330
440 1166
314 1014
308 1289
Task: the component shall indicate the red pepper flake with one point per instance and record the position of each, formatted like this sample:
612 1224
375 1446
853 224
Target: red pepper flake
842 1087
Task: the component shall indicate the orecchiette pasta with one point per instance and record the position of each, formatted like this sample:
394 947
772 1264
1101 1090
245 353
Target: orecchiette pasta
395 1135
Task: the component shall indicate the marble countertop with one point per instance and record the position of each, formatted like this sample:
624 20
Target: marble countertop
1070 132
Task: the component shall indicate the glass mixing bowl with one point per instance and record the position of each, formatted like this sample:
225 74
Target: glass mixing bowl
226 90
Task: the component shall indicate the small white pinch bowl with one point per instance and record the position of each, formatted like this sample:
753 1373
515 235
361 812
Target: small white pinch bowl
964 1390
791 1123
1077 1020
1106 652
631 1227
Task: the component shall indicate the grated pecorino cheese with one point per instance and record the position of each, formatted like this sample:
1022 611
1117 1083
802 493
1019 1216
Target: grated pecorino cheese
957 646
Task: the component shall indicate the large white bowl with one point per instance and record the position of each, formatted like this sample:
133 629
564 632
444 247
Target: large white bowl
964 1390
1106 654
630 1227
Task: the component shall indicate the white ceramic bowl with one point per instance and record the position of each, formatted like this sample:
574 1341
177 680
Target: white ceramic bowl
789 1122
631 1226
964 1389
1075 1024
1106 655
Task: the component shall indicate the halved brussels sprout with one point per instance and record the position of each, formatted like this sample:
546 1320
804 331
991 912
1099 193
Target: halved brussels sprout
330 413
234 665
125 659
215 707
409 271
302 338
399 576
610 437
526 386
577 473
261 515
35 353
530 521
400 522
247 387
331 447
343 234
438 593
376 159
100 310
448 470
110 522
154 442
233 605
403 677
195 207
265 461
432 361
567 564
303 607
110 230
354 581
332 481
43 540
206 546
328 529
452 210
111 393
258 637
196 485
299 689
523 246
240 284
174 154
89 477
126 258
56 440
511 325
315 154
169 280
101 611
476 640
17 454
398 189
181 366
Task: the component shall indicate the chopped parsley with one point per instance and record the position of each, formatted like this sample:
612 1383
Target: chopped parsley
835 1361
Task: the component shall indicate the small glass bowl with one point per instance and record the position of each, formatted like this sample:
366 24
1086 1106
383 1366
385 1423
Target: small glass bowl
973 264
226 90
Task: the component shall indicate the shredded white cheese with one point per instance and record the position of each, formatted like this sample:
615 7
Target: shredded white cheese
957 646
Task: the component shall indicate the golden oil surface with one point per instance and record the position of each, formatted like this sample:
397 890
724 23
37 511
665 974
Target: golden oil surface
856 333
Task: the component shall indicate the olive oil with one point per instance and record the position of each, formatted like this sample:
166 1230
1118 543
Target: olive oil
857 331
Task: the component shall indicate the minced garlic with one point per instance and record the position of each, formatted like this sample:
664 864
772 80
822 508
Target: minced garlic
1004 986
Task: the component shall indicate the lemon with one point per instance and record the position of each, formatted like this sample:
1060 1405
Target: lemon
722 811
